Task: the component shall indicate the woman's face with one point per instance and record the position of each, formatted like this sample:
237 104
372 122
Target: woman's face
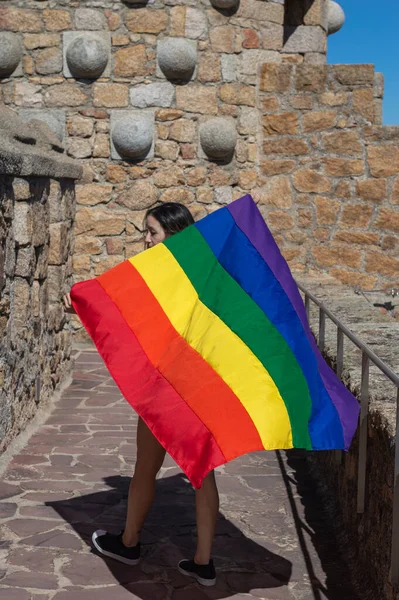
154 234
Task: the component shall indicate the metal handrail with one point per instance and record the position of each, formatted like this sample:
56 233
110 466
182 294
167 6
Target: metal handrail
367 356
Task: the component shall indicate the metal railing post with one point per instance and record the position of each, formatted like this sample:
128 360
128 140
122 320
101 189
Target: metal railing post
307 306
363 430
395 508
340 352
322 328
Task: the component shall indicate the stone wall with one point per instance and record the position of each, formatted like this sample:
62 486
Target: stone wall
227 46
36 219
169 101
328 175
371 532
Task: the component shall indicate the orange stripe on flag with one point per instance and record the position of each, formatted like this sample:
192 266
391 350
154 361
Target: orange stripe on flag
210 398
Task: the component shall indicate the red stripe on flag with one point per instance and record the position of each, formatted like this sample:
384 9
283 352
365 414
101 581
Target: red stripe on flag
191 376
168 416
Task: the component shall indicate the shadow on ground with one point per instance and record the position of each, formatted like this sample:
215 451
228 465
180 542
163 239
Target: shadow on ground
168 536
315 528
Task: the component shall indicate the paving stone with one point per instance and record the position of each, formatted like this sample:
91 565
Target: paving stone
7 509
26 527
36 560
16 594
24 579
8 491
53 539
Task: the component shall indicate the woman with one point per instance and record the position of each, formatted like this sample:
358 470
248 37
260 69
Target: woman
160 223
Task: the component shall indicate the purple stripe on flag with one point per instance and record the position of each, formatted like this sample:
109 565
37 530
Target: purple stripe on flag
248 218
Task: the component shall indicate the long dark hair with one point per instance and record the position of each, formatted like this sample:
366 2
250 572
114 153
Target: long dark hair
172 216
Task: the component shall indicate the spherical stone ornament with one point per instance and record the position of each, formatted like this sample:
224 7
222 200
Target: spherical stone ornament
132 136
10 52
335 18
87 56
177 58
218 138
226 4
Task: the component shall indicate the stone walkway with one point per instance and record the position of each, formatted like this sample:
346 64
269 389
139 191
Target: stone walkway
273 539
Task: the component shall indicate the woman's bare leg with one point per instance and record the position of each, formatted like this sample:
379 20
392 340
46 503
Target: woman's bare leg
150 456
207 508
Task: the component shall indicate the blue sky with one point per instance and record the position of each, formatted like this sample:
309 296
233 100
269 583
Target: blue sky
370 35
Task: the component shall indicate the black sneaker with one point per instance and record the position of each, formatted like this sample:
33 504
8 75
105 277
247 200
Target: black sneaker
113 547
204 574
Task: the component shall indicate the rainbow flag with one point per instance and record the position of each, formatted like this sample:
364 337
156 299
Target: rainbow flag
207 338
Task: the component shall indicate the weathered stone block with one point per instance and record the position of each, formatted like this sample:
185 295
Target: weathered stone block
372 189
57 20
261 11
167 150
99 222
65 95
289 146
41 40
197 98
169 177
28 94
80 126
21 293
277 167
279 220
318 120
146 20
356 215
154 94
356 237
101 147
209 67
131 61
275 77
95 193
282 124
48 61
110 95
18 19
326 210
342 167
363 103
332 256
196 24
378 262
79 148
310 78
388 220
89 19
22 223
58 248
250 39
236 93
383 161
308 180
229 67
345 142
140 195
277 192
25 262
305 39
177 21
350 75
85 244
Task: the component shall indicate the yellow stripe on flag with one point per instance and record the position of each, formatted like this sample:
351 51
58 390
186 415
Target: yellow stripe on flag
234 362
